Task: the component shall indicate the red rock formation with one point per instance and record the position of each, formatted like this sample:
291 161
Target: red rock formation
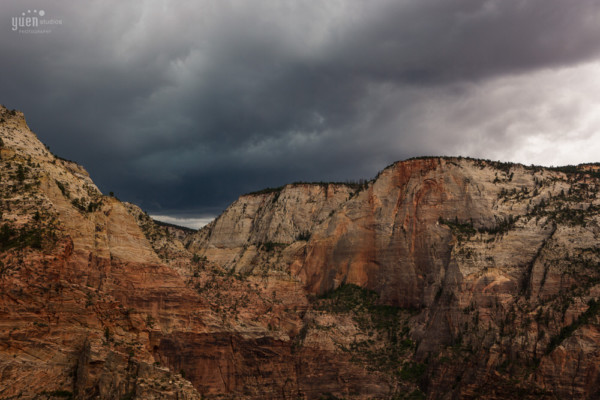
441 277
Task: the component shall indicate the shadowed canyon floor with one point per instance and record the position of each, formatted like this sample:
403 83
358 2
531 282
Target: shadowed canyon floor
440 278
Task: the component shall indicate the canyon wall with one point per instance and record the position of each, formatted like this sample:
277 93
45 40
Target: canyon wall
439 278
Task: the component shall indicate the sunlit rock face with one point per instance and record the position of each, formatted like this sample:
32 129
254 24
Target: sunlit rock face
440 278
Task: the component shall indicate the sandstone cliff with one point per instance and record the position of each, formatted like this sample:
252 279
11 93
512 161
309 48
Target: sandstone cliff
440 278
496 264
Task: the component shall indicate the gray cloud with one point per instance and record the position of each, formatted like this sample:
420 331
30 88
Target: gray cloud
194 223
185 105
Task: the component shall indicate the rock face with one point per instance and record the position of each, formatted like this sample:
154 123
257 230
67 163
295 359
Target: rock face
79 284
496 262
440 278
279 216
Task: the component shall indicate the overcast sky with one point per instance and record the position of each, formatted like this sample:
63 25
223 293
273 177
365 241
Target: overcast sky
180 106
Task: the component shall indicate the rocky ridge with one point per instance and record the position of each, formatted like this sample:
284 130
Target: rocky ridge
440 278
495 262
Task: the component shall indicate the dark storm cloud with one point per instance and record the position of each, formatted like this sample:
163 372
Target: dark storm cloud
185 105
434 41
